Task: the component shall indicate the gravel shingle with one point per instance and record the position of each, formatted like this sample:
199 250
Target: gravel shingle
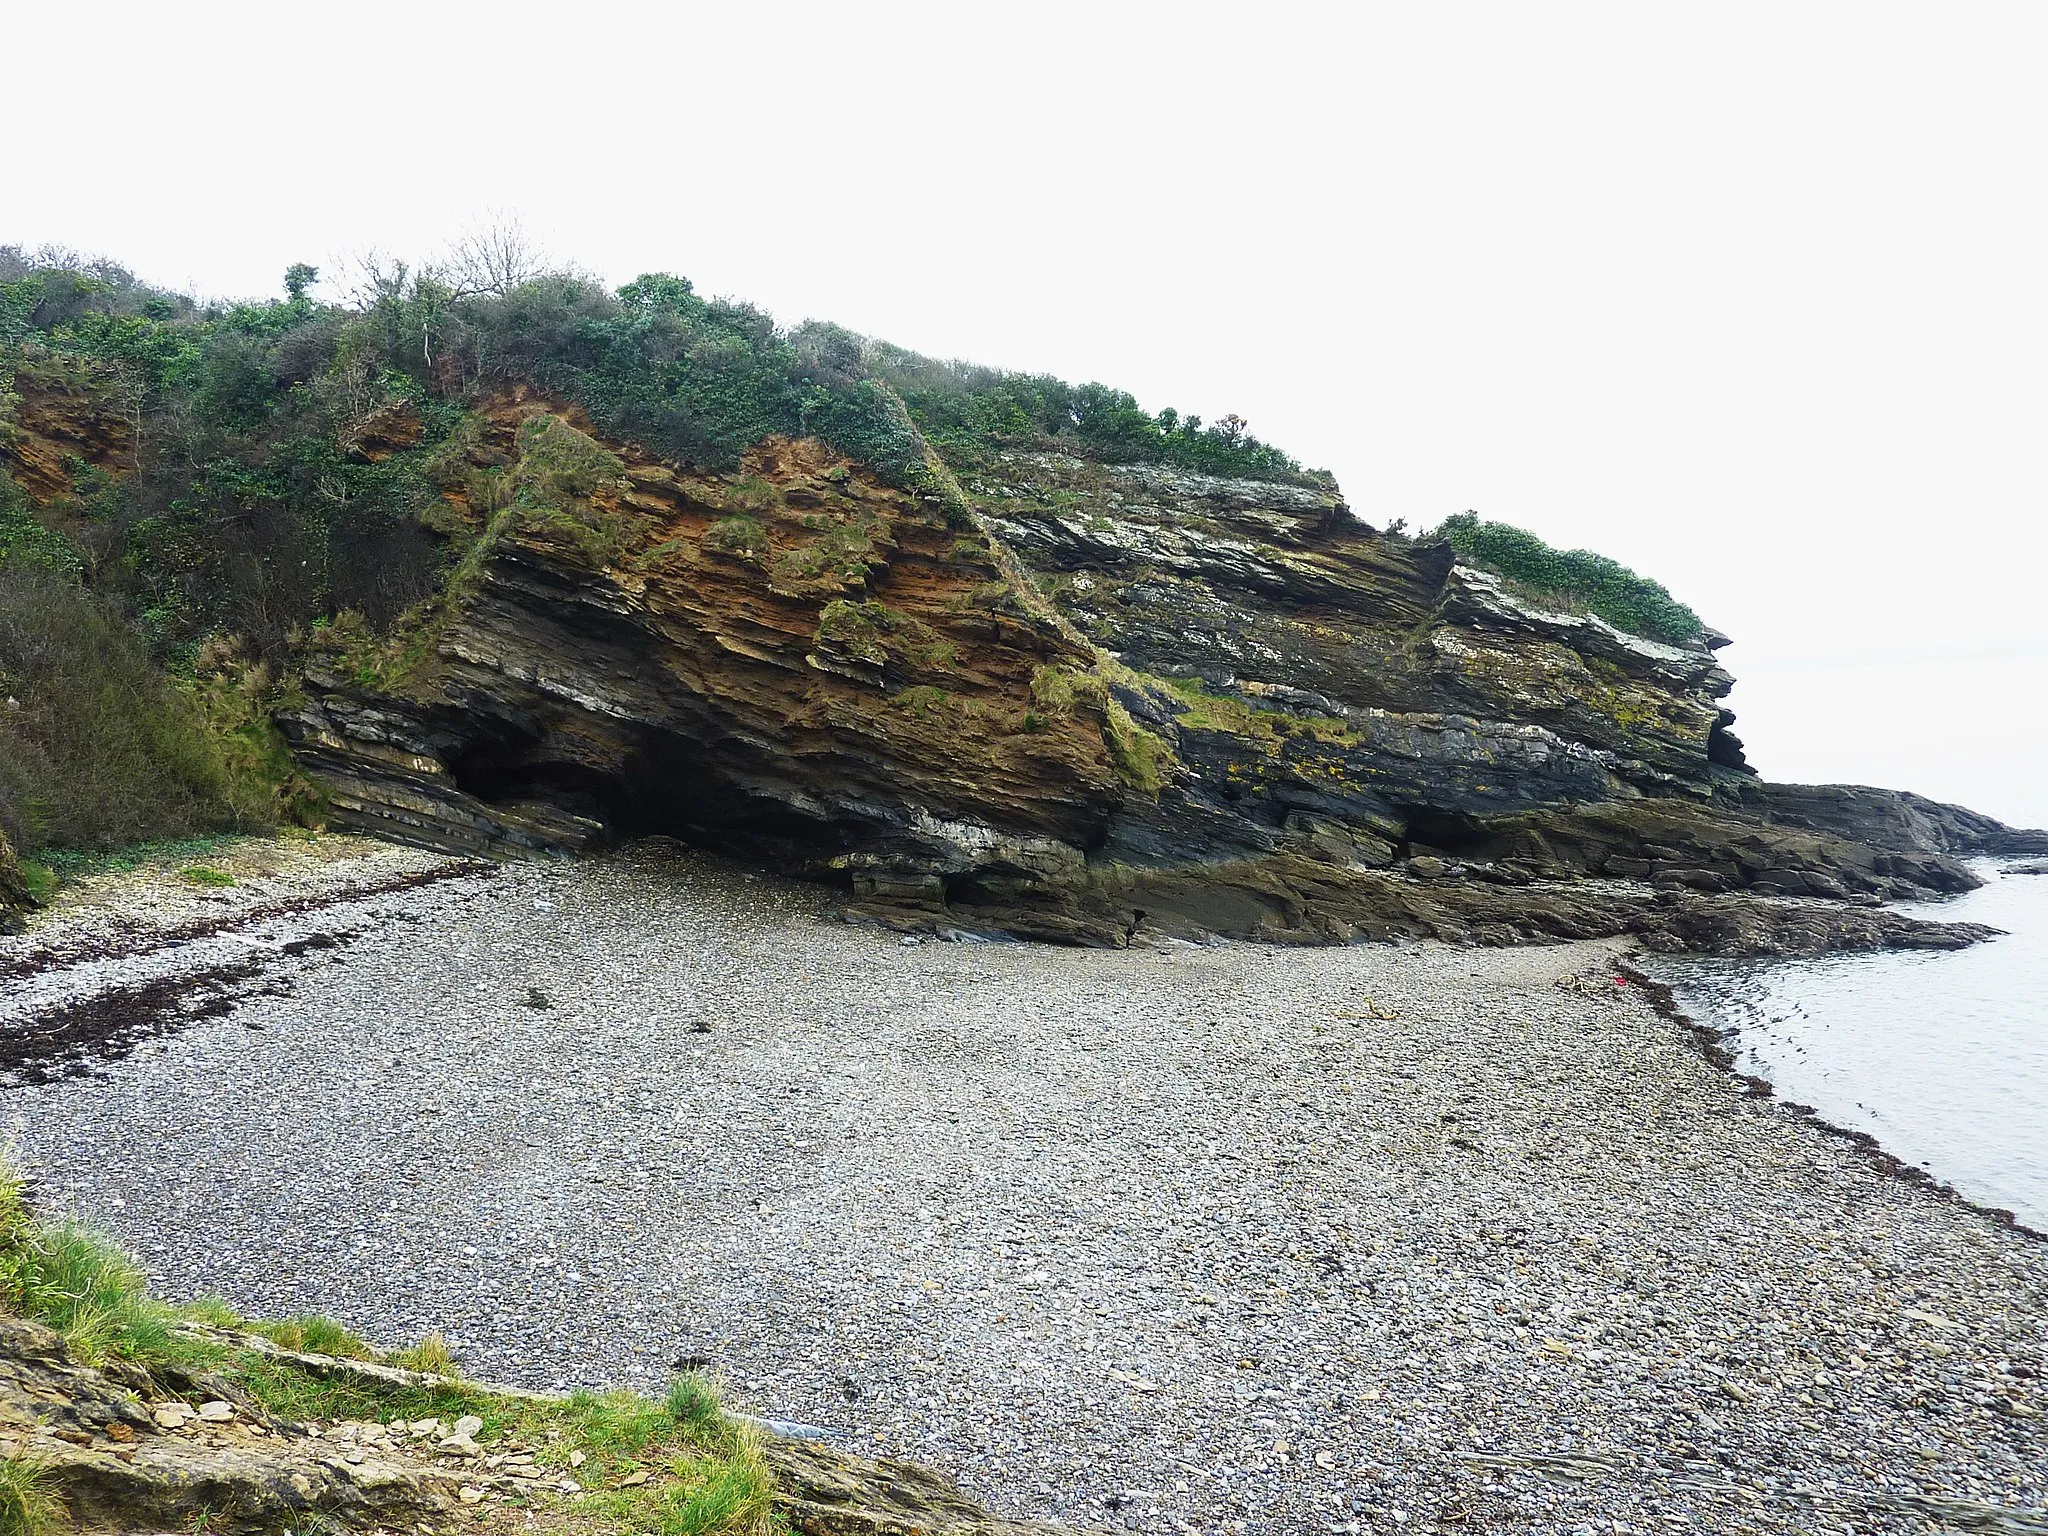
1212 1238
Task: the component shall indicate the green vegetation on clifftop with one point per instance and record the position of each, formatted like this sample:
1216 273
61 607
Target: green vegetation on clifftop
967 411
1578 577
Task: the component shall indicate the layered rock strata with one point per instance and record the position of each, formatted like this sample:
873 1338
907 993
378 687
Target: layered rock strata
1067 700
793 661
1890 819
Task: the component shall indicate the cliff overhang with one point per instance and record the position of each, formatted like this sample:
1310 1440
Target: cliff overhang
1102 702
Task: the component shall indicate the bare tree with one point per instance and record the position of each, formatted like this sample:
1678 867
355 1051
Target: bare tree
494 258
373 279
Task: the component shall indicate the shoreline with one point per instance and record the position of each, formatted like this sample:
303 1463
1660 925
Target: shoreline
1220 1238
1711 1044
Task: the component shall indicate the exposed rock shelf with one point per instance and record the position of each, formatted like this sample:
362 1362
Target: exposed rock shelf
121 1448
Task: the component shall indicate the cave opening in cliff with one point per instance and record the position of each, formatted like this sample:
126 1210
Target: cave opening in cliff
1724 747
665 785
1443 832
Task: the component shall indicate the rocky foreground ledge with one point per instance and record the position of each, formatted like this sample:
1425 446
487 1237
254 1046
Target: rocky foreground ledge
136 1417
161 1445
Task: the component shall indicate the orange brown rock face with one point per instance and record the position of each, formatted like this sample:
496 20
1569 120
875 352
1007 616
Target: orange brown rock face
58 422
792 658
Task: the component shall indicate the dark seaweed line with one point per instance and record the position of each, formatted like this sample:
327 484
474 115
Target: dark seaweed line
63 1041
56 957
1708 1041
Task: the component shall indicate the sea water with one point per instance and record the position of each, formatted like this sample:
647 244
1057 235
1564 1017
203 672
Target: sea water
1942 1055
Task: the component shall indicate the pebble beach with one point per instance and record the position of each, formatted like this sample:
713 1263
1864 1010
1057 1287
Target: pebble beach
1210 1238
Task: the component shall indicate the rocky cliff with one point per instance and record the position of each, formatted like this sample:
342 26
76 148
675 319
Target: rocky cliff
1041 691
792 661
1106 700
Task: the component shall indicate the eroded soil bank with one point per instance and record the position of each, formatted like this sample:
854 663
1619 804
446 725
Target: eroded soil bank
1212 1238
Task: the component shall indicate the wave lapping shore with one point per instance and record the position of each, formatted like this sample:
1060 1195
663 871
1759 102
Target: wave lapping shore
1213 1238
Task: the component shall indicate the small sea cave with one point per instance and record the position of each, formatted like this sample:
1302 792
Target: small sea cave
1449 834
662 784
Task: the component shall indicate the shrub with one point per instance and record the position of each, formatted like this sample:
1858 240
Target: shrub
97 747
559 464
1579 577
25 539
967 410
742 536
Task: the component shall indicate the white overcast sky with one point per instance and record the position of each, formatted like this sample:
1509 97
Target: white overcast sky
1753 297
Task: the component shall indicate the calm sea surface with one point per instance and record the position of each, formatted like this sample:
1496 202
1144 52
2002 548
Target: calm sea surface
1942 1056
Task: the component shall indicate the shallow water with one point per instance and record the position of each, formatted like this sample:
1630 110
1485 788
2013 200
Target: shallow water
1941 1055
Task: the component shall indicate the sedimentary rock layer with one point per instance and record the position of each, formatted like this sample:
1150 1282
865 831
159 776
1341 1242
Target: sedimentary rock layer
1060 698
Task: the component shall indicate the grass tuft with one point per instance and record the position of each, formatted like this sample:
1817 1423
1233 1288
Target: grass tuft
204 874
66 1275
693 1402
316 1335
431 1355
29 1505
